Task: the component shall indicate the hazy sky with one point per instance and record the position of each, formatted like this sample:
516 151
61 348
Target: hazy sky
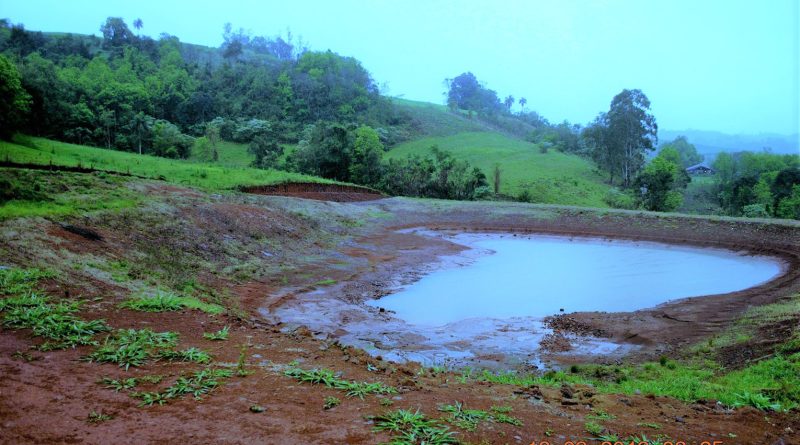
725 65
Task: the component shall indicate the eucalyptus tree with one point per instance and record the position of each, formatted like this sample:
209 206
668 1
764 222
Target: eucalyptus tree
632 130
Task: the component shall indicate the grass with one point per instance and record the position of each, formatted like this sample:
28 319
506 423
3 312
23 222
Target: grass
187 355
550 178
437 120
132 347
328 378
30 193
197 385
331 402
15 281
220 335
56 322
209 177
412 428
98 417
130 382
168 301
468 419
772 384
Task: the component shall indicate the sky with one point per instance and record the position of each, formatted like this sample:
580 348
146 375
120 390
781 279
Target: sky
725 65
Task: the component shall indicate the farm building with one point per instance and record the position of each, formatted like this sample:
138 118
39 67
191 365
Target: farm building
700 169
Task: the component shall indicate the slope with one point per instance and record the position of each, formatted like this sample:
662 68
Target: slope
552 177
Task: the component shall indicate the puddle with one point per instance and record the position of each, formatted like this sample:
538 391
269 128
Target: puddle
484 306
537 276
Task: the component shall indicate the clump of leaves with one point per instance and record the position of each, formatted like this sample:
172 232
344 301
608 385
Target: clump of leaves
160 302
469 419
411 428
220 335
257 409
16 281
599 414
129 383
386 402
97 417
328 378
756 400
132 347
187 355
56 322
594 428
331 402
197 385
241 364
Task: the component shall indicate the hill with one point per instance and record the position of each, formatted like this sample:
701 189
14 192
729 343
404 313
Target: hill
710 143
552 177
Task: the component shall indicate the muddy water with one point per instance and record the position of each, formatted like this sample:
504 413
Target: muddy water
505 276
484 306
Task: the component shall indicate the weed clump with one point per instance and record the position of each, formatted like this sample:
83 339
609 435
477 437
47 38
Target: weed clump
411 428
132 347
328 378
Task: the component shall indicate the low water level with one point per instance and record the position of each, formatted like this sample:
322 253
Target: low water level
505 276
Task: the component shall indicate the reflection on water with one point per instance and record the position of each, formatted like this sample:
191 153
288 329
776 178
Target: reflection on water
536 276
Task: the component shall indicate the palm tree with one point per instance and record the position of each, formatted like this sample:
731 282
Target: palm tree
138 24
522 102
140 124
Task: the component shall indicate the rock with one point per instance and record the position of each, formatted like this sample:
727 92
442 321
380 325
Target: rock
680 419
566 391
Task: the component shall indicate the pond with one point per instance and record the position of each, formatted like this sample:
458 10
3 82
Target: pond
505 276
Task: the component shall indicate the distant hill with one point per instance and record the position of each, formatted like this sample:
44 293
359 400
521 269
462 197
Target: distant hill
709 143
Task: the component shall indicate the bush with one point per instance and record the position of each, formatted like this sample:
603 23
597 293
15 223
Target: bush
755 211
619 200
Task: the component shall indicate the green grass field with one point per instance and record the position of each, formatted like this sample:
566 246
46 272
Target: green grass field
436 120
227 174
551 178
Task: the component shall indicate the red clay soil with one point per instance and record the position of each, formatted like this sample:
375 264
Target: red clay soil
317 191
47 397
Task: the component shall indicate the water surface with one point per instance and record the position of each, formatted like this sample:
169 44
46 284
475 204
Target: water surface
534 276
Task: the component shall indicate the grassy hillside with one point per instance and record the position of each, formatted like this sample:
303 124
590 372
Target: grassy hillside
226 174
553 177
436 120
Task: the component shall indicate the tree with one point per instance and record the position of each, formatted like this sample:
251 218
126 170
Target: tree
266 150
466 93
14 100
116 34
140 125
596 136
789 207
522 103
657 186
367 153
509 102
138 24
496 178
632 130
687 152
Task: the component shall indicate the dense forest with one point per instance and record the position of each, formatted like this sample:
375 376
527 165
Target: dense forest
127 91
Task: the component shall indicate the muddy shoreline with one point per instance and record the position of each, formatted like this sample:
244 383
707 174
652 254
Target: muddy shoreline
644 334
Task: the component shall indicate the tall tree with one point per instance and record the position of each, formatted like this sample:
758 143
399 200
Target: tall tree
14 101
522 103
509 102
632 130
687 152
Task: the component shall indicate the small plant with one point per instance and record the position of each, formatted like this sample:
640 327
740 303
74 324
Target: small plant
15 281
599 414
501 409
119 385
331 402
54 321
241 364
413 428
593 428
257 409
97 417
652 425
131 347
328 378
198 384
467 419
160 302
610 438
386 402
505 418
24 356
757 400
187 355
220 335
